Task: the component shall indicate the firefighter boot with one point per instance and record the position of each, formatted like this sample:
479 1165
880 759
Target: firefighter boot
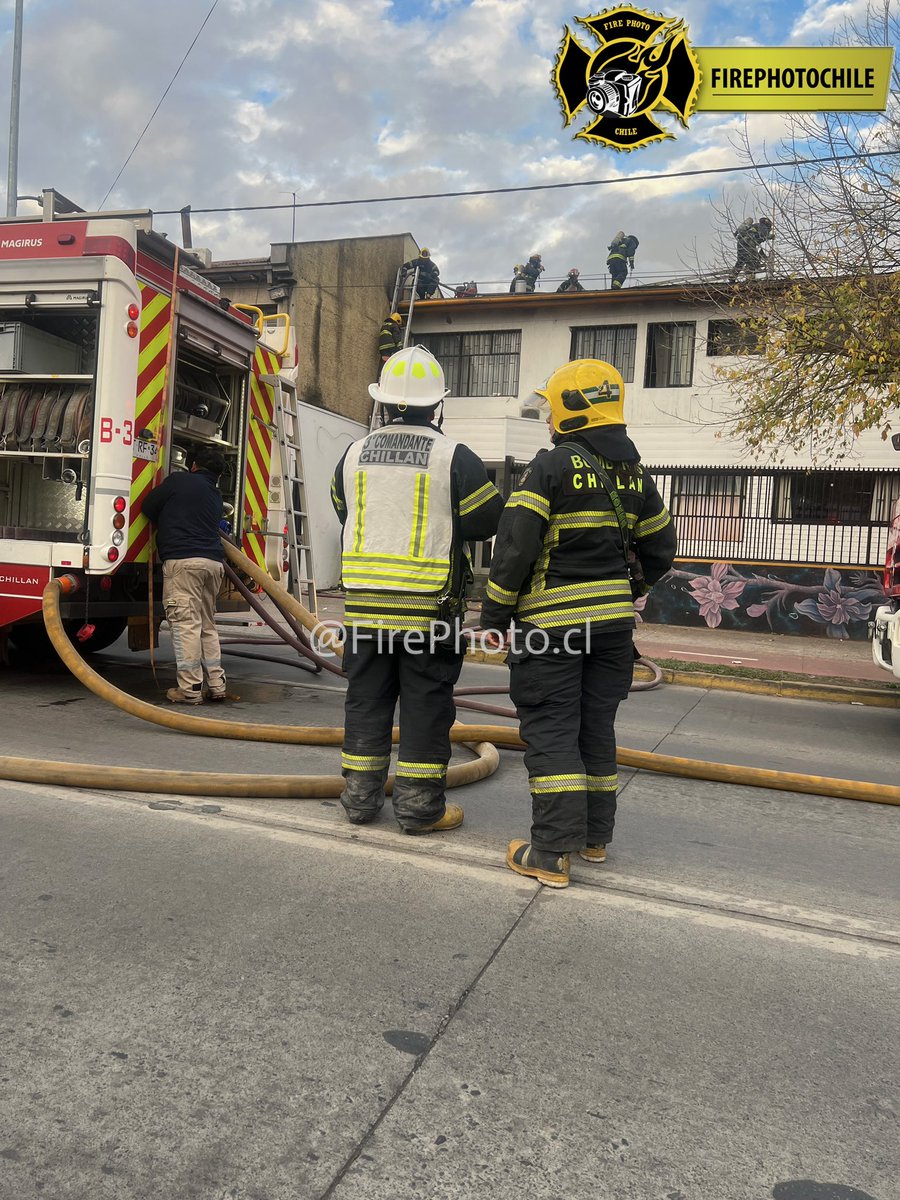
420 805
363 795
594 854
546 866
178 696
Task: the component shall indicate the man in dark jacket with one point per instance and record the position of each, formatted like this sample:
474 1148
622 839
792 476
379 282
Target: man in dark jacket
390 338
409 500
562 580
186 509
429 275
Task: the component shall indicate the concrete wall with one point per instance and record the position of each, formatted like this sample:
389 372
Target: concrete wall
341 296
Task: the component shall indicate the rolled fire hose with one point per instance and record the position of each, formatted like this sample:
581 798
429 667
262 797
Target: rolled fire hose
194 783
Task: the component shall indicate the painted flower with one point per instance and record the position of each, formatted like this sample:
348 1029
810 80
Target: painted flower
715 593
833 608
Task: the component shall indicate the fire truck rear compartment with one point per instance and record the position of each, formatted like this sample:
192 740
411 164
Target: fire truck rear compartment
46 412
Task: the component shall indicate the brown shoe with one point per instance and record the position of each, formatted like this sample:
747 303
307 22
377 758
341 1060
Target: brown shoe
216 697
177 696
547 867
452 819
594 854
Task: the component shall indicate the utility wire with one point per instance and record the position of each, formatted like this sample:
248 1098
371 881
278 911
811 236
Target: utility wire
533 187
159 106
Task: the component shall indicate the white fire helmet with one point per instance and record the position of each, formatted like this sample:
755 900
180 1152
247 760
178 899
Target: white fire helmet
411 378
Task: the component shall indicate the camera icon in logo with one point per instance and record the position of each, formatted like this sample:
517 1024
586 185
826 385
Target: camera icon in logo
614 93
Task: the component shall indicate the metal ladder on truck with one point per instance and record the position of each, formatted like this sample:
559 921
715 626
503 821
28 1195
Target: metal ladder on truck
296 513
377 418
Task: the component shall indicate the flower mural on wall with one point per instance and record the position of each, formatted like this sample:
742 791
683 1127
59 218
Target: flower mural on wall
717 591
834 607
801 600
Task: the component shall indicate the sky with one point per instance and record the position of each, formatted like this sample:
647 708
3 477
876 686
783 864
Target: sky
349 99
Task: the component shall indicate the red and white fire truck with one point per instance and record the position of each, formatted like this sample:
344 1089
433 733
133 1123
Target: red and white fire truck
117 359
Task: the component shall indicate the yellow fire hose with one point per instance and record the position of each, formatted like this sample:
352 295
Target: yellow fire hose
482 738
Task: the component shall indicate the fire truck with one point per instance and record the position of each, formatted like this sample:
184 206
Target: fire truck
117 360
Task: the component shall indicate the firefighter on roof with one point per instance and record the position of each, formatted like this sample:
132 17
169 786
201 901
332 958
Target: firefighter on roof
429 275
561 579
532 271
409 499
621 256
571 282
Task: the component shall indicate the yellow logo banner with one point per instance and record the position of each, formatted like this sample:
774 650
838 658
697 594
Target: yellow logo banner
793 79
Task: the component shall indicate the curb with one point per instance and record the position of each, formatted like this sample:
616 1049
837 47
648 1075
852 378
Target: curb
794 689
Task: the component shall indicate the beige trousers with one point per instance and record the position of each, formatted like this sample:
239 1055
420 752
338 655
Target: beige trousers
190 588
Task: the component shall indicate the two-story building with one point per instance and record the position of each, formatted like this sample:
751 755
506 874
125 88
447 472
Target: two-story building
795 547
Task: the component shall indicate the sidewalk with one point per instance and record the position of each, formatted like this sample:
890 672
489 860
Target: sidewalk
817 657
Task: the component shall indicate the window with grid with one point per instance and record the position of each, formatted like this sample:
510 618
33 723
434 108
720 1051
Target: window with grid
477 364
670 354
835 498
708 506
611 343
731 337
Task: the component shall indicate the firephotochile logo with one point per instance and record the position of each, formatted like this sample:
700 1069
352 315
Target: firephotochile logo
627 76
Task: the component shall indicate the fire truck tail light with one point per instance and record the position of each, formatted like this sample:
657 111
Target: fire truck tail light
119 503
106 584
118 521
133 312
112 554
131 329
118 537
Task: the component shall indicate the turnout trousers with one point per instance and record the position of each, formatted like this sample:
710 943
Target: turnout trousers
566 700
380 671
618 270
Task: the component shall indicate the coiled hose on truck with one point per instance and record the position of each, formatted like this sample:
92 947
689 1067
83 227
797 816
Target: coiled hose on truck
483 738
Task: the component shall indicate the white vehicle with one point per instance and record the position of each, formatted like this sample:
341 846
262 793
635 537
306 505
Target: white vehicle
886 625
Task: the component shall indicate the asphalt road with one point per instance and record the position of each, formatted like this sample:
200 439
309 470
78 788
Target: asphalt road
256 1001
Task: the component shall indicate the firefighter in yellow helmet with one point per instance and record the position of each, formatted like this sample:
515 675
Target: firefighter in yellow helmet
429 275
584 534
390 338
409 500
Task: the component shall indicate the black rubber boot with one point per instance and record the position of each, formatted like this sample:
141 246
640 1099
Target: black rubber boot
363 795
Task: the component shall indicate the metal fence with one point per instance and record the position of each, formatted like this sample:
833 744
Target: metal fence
838 518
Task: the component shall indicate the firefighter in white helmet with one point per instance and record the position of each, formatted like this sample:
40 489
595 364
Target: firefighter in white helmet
409 500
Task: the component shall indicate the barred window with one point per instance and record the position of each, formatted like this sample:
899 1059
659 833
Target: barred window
611 343
478 364
670 354
835 498
731 337
708 506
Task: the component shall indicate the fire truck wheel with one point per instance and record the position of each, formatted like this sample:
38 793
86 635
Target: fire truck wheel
31 642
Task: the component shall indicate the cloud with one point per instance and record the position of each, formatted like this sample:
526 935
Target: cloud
337 100
825 16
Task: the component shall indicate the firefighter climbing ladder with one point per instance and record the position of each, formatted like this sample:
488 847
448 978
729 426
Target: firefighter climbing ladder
296 516
399 287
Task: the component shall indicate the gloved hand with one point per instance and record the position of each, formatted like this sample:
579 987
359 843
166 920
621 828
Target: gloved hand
631 263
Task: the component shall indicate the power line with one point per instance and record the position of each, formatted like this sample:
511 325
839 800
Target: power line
533 187
159 106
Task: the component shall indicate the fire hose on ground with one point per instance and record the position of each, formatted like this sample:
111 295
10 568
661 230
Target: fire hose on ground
483 739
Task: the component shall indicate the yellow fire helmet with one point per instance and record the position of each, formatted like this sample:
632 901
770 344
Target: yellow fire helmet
583 394
397 317
411 378
425 252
